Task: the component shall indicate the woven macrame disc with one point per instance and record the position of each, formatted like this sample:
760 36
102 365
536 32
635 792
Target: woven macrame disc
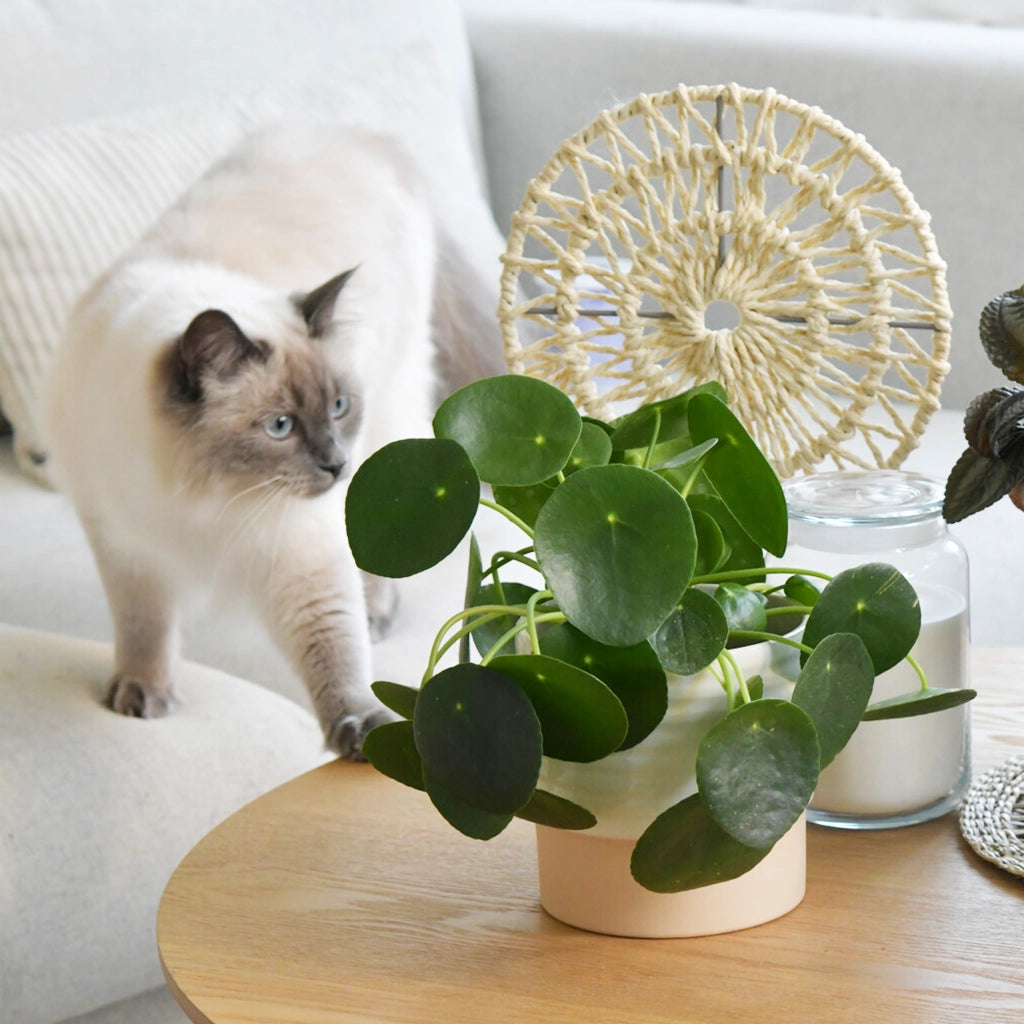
992 816
725 233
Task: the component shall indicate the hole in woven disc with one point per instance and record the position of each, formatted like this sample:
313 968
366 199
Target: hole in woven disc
722 315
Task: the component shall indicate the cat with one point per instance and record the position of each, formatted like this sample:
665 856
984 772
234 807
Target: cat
294 311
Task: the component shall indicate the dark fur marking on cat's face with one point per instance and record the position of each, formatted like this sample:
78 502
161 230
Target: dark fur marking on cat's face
252 411
317 307
212 345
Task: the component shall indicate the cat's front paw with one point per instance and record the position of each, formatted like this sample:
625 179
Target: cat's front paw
346 735
130 696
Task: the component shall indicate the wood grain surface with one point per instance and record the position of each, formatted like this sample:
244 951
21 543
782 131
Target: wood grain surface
342 896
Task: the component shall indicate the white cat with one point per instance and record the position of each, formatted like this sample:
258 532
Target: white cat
271 330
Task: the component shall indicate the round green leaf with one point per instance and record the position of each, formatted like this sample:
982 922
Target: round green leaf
479 739
409 505
524 502
711 547
693 635
488 633
878 604
618 548
633 674
740 551
556 812
469 820
744 609
399 698
685 848
580 717
667 416
834 688
594 448
740 473
391 749
757 769
802 591
921 702
517 430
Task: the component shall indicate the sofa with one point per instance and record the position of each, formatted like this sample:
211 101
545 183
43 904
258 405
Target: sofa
112 106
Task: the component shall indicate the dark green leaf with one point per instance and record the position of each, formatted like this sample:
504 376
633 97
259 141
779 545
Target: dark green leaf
474 574
744 609
580 717
668 417
409 505
693 635
684 848
471 821
741 552
802 591
976 482
554 811
517 430
594 448
524 502
921 702
1001 329
618 548
487 634
401 699
391 749
834 688
711 547
740 473
757 769
479 739
878 604
633 674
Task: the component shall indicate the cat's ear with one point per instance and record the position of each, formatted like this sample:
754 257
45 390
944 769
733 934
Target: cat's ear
317 307
213 344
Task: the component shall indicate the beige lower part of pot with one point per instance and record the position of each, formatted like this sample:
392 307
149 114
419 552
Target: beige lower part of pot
585 882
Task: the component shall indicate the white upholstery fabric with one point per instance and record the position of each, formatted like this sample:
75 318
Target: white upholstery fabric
98 809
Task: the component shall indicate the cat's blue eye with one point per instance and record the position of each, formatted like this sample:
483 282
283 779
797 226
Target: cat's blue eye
340 407
279 427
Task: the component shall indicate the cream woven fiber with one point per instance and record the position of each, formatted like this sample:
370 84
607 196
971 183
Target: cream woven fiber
992 816
711 195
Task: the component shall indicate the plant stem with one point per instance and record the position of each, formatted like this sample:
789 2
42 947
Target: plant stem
649 457
757 635
510 516
518 628
503 558
479 614
742 574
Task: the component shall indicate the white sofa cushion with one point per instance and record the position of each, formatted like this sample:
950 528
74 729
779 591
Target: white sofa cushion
98 809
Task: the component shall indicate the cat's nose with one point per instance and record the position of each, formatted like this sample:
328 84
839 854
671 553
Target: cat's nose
334 466
330 457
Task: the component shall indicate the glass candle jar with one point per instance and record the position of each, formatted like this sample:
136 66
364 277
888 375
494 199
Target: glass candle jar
906 770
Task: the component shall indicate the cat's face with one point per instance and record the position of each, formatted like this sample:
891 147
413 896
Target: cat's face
282 412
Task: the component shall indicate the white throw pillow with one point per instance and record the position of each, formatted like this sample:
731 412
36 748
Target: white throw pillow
73 198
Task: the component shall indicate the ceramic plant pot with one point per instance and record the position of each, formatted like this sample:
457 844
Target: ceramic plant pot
585 878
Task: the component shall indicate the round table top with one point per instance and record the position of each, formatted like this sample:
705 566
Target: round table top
343 896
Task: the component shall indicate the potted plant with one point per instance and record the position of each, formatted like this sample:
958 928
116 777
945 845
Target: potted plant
640 577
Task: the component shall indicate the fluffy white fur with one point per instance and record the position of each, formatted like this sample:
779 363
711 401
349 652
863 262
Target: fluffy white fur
166 513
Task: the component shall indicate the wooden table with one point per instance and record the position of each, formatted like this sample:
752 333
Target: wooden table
342 896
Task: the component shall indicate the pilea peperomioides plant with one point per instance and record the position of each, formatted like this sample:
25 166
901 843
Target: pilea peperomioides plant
642 555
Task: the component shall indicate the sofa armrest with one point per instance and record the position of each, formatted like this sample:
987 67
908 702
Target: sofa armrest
96 811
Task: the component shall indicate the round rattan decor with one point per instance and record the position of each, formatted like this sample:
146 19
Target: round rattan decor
992 816
719 232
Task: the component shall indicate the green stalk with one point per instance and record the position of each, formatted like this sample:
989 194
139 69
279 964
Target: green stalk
510 516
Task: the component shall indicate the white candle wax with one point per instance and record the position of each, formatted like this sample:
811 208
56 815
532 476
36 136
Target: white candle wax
904 764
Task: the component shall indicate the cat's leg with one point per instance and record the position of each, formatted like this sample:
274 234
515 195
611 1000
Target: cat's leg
381 604
143 608
316 612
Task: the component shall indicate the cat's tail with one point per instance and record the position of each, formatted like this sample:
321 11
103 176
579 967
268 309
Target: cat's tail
465 327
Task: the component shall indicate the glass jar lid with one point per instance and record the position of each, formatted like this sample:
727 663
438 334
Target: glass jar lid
882 497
